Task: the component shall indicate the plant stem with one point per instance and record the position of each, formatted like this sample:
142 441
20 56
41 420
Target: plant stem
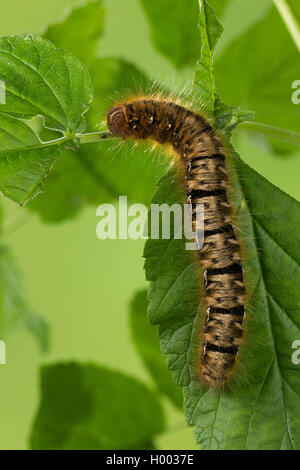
58 141
277 133
82 138
289 19
94 137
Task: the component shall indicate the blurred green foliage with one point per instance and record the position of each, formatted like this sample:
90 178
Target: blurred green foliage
146 341
90 407
270 63
14 311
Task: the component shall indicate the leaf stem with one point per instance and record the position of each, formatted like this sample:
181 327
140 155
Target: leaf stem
277 133
58 141
289 19
94 137
82 138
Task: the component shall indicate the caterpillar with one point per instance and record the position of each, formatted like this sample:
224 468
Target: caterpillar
203 157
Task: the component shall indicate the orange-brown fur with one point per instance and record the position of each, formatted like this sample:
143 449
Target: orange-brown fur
202 155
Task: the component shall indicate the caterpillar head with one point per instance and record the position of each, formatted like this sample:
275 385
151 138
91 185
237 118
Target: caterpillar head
117 122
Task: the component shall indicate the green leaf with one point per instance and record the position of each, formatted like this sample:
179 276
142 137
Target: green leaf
225 118
173 291
100 173
147 344
43 80
210 31
174 29
253 83
89 407
14 312
24 160
40 80
80 31
260 410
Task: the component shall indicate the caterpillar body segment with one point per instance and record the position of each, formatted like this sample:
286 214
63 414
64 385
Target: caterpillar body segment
203 157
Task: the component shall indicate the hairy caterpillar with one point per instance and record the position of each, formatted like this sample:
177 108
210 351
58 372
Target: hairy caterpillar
203 157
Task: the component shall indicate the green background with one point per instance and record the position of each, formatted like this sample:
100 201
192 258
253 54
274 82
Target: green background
82 285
